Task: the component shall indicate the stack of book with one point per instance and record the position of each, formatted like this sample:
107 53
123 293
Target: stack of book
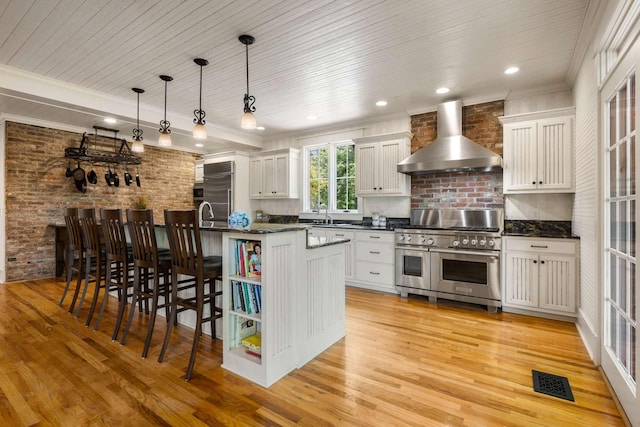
248 258
253 344
246 297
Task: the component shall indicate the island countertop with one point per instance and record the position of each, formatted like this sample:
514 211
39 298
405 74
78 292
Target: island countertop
255 228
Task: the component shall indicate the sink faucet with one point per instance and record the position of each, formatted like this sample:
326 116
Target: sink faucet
201 209
327 217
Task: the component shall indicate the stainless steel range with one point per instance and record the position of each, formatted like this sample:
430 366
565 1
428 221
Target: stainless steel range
452 254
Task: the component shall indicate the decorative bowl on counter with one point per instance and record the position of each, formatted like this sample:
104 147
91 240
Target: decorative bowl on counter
239 219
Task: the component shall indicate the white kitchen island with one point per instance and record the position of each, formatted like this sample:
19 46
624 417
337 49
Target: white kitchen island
299 296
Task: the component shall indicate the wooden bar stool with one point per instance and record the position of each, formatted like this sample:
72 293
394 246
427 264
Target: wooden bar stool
149 266
118 263
74 254
183 233
94 258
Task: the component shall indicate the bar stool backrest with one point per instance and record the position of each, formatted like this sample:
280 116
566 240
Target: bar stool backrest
90 231
183 233
143 237
74 234
115 239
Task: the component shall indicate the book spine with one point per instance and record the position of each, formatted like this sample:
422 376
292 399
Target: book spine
247 298
254 298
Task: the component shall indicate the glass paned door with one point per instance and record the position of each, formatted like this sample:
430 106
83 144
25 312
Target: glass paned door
620 243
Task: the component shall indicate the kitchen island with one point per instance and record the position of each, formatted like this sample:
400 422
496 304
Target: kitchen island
280 316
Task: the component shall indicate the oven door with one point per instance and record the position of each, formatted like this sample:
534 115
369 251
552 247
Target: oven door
412 268
469 273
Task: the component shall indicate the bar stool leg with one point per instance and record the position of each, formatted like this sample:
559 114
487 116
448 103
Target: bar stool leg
87 269
134 300
172 316
152 317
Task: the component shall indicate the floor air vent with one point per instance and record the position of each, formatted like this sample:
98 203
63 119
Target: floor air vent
553 385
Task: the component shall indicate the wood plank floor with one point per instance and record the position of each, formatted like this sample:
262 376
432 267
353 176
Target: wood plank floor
403 362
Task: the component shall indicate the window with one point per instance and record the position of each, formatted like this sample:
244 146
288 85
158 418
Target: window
330 178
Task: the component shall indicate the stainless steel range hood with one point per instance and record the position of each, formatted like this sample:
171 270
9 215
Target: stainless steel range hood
450 151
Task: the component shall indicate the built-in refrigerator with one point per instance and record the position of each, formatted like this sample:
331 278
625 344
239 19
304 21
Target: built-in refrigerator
218 188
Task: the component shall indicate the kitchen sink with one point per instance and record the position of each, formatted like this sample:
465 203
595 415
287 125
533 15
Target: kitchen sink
351 226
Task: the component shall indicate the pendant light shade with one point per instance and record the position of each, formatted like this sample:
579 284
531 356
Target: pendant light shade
199 131
137 146
165 132
248 120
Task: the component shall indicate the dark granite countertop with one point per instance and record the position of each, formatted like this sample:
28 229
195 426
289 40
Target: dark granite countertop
547 229
255 228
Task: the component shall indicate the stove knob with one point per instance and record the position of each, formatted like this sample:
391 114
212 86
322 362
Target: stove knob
408 238
456 243
422 239
430 242
401 237
483 242
474 241
465 241
492 242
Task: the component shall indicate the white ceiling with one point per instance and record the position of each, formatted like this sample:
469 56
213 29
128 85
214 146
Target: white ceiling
74 61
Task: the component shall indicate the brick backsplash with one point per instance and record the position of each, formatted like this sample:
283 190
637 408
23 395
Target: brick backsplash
36 190
479 190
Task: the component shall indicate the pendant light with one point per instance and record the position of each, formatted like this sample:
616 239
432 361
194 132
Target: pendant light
165 133
248 120
137 146
199 131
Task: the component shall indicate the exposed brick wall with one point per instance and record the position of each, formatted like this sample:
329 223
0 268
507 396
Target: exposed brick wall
37 190
480 190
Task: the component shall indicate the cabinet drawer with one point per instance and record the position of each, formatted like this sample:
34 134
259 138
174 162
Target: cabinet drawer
523 244
375 236
316 232
375 273
375 252
341 233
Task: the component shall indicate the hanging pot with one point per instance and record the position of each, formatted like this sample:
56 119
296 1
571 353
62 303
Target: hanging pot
127 177
137 178
81 185
108 176
93 177
68 173
116 179
78 173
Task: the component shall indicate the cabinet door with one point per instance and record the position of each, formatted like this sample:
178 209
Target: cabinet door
558 283
366 169
269 165
520 157
349 251
555 154
389 180
256 177
281 176
521 279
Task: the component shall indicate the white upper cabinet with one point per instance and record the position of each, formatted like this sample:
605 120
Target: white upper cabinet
377 158
538 152
274 174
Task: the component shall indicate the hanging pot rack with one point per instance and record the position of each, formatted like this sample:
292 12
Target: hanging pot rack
121 156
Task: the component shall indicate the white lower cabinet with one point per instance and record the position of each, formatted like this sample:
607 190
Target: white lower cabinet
374 261
540 275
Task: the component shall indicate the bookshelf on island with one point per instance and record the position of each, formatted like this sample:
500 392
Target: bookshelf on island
283 302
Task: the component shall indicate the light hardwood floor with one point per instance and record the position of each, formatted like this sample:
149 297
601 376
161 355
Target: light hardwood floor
403 362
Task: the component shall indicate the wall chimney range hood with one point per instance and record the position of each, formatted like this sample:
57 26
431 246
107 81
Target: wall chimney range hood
450 151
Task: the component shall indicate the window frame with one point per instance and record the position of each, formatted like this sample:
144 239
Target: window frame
332 186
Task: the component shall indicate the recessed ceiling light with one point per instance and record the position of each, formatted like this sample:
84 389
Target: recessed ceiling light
381 103
110 120
442 90
199 145
511 70
312 117
260 128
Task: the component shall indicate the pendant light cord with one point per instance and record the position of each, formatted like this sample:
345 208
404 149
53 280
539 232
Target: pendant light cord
165 100
247 62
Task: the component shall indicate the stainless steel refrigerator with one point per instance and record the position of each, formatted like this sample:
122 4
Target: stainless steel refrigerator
218 189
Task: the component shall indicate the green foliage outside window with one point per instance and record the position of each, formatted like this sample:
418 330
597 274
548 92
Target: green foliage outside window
320 182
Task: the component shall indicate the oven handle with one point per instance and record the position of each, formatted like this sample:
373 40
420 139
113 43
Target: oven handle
486 254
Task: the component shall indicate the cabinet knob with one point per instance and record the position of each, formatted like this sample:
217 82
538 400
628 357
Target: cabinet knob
539 182
535 262
541 262
534 183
